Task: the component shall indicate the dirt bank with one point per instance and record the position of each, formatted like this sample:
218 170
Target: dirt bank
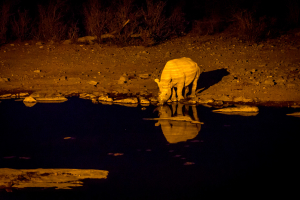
230 68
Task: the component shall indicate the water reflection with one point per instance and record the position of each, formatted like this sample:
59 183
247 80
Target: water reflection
176 125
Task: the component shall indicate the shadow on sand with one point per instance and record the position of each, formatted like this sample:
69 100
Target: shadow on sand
210 78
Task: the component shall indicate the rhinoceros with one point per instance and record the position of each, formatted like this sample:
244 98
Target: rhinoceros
177 73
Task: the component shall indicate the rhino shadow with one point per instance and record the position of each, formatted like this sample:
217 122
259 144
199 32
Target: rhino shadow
210 78
176 130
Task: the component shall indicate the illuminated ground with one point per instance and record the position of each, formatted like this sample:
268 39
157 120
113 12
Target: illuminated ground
230 68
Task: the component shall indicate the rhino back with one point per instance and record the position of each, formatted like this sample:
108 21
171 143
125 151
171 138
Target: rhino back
179 70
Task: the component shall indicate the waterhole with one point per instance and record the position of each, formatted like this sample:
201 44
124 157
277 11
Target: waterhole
210 154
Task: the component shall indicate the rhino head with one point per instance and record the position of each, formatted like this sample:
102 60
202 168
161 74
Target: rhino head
164 91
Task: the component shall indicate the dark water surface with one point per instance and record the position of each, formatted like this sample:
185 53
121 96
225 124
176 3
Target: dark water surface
231 155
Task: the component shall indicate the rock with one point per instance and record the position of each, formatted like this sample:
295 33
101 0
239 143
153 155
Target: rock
205 101
107 35
168 54
128 100
153 99
94 100
144 100
23 94
48 178
4 79
38 43
97 94
52 98
4 96
297 114
262 65
123 79
105 98
242 99
29 100
29 104
260 46
144 76
291 85
37 71
88 39
67 42
280 81
239 109
63 78
36 94
91 96
94 83
218 102
191 101
224 98
83 96
74 80
51 42
269 82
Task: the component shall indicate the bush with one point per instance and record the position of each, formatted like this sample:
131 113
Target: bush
52 24
126 22
21 25
96 18
208 26
250 28
159 26
293 13
4 20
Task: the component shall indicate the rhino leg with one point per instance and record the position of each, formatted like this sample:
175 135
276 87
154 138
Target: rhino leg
179 91
186 90
193 94
173 98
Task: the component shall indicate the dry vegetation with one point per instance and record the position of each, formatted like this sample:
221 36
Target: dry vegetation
146 22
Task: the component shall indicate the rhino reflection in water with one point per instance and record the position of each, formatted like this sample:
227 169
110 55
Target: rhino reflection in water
175 126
